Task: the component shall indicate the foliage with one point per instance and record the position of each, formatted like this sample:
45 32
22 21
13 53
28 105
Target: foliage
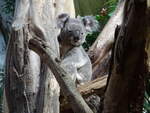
90 38
102 17
104 14
9 6
146 108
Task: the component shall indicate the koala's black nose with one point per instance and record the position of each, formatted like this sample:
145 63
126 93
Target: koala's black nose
76 38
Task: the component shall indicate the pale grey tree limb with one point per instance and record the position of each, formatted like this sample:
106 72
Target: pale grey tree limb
67 85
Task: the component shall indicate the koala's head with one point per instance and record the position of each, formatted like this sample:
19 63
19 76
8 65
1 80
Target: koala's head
74 30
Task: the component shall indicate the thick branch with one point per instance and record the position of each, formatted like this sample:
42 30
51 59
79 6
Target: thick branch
106 37
127 74
68 87
102 46
96 86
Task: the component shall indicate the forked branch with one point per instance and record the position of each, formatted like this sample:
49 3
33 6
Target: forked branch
67 85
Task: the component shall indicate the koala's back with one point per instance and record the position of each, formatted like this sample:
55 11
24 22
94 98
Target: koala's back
81 61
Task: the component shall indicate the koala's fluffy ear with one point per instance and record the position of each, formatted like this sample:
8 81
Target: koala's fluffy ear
90 23
62 19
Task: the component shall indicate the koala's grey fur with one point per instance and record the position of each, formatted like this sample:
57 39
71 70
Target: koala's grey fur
74 59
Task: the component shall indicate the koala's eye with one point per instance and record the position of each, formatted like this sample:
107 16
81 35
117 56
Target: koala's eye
70 31
81 33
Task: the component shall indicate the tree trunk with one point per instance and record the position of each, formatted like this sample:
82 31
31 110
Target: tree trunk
30 85
100 50
125 88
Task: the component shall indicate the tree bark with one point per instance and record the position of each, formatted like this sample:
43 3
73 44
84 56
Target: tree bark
95 87
30 85
66 84
148 39
126 85
100 50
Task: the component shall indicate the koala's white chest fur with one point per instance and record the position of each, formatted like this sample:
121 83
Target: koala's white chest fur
78 55
77 63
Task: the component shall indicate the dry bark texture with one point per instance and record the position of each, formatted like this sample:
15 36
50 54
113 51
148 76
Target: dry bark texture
125 88
148 37
30 85
100 50
95 87
66 84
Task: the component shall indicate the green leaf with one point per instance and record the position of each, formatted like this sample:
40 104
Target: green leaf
110 14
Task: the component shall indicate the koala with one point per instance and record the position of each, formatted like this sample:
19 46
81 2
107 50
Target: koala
72 35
